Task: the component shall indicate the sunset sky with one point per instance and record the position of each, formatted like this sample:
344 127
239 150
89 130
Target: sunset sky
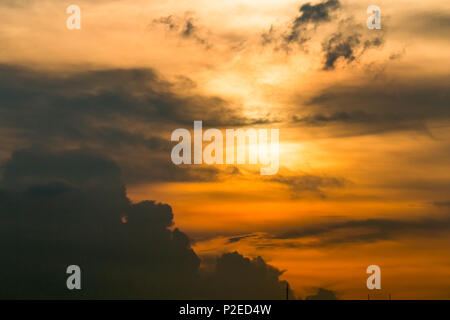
364 120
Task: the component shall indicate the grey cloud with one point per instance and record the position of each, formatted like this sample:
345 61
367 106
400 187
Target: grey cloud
94 109
316 13
338 46
184 27
157 170
302 183
348 43
168 21
373 107
301 27
72 167
118 138
239 238
318 119
189 29
310 14
429 24
368 230
45 104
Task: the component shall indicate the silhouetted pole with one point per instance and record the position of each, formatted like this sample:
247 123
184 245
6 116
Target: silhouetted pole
287 291
389 296
368 297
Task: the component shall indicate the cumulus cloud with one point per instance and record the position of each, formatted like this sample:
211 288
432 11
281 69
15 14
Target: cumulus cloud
70 207
233 272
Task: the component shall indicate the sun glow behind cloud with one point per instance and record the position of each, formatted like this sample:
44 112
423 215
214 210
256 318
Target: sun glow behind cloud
344 153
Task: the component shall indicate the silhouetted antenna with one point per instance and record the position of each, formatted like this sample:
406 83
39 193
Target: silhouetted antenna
368 297
287 291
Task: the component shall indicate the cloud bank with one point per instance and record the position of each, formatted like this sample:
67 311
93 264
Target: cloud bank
70 207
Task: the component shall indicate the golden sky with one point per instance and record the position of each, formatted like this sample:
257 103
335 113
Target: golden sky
363 116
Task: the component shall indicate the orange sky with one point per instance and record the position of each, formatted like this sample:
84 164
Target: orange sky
390 162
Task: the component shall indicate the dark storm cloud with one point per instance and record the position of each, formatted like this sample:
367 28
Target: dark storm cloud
46 103
243 276
73 167
374 107
310 14
156 170
70 207
368 230
118 138
94 109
